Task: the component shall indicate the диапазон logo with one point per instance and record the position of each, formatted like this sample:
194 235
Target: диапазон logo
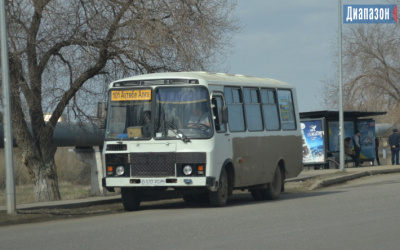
369 13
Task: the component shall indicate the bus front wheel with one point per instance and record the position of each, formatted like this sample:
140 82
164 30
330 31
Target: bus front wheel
273 190
219 198
130 199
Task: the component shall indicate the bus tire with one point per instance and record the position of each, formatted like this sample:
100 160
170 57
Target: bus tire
256 194
130 199
273 190
219 197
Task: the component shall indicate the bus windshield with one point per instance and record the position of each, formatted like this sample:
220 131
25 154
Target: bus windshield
129 114
182 112
179 112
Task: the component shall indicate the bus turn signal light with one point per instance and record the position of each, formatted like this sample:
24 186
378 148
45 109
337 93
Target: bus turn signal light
110 170
200 169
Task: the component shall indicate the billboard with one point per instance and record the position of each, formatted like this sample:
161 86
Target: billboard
313 141
367 130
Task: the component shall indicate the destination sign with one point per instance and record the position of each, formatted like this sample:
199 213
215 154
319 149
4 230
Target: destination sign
131 95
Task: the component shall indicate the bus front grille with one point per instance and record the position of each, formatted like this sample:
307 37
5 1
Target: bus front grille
116 158
152 164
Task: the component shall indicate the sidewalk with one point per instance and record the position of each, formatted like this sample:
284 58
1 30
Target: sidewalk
353 173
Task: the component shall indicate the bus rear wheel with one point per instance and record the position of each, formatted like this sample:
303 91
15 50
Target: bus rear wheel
130 199
219 198
273 190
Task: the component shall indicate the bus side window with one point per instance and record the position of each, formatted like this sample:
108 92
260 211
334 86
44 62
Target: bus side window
234 102
286 107
270 109
252 107
217 102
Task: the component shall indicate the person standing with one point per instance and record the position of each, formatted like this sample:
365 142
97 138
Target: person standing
376 150
394 140
357 148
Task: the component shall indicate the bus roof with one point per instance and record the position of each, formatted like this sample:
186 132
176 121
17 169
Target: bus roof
211 78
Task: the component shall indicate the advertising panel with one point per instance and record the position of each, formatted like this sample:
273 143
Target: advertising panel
367 130
313 141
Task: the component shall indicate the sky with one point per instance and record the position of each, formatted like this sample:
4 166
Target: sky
289 41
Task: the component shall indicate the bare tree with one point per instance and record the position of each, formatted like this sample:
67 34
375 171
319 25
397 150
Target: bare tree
371 69
59 47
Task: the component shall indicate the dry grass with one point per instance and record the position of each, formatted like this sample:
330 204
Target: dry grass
73 176
24 193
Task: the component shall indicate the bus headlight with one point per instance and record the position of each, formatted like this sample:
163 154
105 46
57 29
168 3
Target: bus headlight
187 170
120 170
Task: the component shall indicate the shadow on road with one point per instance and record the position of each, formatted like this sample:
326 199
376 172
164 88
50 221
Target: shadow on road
241 199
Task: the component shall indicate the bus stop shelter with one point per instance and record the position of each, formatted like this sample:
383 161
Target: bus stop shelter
320 132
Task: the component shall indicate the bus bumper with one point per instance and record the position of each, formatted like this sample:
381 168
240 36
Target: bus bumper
111 182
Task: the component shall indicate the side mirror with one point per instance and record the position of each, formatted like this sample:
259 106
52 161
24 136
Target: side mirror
223 114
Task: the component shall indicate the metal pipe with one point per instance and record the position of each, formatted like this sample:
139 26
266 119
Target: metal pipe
72 134
8 139
341 126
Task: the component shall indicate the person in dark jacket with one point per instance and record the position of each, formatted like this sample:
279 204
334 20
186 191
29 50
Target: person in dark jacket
394 141
357 147
376 150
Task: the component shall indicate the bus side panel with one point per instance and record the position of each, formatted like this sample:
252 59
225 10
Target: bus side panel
256 158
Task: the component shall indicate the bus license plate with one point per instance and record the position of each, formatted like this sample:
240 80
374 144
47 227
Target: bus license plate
154 182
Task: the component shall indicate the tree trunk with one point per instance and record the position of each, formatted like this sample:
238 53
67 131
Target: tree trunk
43 174
45 183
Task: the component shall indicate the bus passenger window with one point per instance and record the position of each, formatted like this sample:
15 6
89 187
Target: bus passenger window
235 109
270 109
253 109
287 109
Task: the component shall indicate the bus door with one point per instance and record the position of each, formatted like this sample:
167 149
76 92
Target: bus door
223 144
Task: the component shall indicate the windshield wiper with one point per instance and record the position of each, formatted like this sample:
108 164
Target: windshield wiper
182 136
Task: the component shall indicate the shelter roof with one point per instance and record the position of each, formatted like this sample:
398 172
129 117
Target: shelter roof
335 114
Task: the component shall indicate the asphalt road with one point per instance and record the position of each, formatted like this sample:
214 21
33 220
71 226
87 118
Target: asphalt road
361 215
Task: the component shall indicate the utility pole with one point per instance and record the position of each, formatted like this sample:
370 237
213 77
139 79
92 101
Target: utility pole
341 126
8 139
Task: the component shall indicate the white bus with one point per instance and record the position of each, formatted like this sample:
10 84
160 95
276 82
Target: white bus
201 134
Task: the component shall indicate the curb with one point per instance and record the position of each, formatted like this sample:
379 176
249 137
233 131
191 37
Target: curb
341 179
384 171
301 179
73 205
105 201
